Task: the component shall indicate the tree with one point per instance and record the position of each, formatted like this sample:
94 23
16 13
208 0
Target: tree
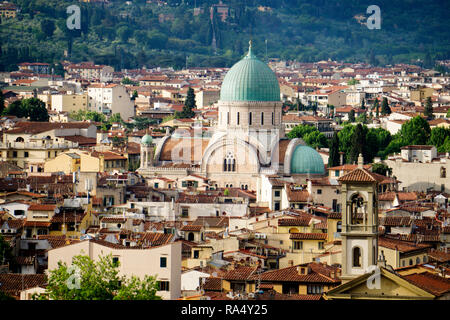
428 112
358 144
127 80
334 158
415 131
115 118
315 139
36 109
376 106
189 105
300 131
363 104
5 251
448 113
438 136
48 27
345 140
15 109
385 109
351 116
2 102
96 280
32 107
382 169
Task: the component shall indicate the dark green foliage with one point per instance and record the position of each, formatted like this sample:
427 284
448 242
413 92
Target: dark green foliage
302 30
415 131
351 116
31 108
48 27
382 169
385 109
189 105
310 135
358 144
334 158
439 137
5 251
428 112
376 107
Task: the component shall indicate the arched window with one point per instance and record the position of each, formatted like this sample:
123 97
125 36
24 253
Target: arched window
357 209
20 139
228 118
293 230
237 118
250 118
229 163
262 118
418 260
190 236
357 257
425 259
410 262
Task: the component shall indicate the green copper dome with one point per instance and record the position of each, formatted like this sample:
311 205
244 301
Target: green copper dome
250 80
306 160
147 139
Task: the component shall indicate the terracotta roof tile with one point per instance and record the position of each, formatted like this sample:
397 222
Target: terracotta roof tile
308 236
432 283
13 283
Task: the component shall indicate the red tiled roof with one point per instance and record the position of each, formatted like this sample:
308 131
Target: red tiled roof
361 175
42 207
402 246
316 273
303 221
395 221
308 236
14 283
191 228
432 283
240 273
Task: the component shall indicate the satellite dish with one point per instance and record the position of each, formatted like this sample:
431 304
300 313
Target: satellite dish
56 210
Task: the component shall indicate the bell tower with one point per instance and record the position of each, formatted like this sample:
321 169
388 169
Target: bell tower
146 151
359 221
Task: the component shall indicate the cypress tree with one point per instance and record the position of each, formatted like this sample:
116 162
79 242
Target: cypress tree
333 159
428 112
385 109
358 143
376 106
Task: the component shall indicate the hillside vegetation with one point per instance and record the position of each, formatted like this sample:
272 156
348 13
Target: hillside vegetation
132 34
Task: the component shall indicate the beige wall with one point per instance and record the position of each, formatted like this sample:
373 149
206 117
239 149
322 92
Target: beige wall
415 176
69 102
132 261
62 163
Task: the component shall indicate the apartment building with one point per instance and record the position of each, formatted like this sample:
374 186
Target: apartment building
111 99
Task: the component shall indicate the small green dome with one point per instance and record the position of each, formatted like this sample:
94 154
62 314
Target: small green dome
250 80
147 139
306 160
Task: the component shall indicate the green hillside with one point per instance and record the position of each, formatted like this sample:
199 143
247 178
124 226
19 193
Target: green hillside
131 34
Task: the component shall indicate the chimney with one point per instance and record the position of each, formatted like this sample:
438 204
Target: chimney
360 161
